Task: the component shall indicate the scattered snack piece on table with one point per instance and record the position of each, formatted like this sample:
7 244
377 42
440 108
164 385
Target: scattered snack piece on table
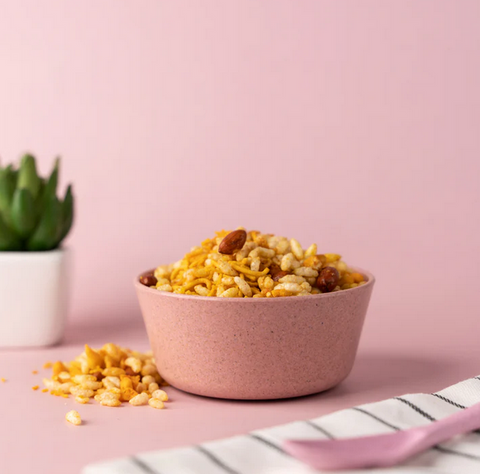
111 376
241 264
3 380
73 417
35 387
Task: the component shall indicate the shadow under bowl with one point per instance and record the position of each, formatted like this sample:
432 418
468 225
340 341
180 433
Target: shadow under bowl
255 348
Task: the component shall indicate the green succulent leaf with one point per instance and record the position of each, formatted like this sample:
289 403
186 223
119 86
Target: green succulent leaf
45 236
28 177
52 182
7 188
9 241
23 213
31 215
67 214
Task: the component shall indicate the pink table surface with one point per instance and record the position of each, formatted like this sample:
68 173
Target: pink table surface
34 437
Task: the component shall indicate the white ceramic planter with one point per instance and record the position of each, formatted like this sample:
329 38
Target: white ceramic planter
34 291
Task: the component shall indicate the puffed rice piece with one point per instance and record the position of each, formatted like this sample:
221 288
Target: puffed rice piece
148 379
134 363
262 252
149 369
161 395
88 385
110 382
311 251
296 249
305 272
65 387
201 290
138 400
277 260
51 384
230 293
228 281
255 265
162 272
226 268
84 378
283 246
189 276
82 392
111 402
107 396
156 403
292 279
64 376
244 286
73 417
153 387
268 283
293 287
306 287
166 287
247 248
162 281
82 400
289 262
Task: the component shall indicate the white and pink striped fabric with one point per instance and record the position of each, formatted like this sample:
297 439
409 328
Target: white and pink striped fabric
260 452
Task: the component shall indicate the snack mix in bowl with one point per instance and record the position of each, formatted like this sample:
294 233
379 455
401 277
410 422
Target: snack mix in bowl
241 264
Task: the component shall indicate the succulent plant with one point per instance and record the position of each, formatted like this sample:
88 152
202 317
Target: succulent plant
32 218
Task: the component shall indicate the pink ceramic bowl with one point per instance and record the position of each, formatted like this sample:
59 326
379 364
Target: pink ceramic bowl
255 348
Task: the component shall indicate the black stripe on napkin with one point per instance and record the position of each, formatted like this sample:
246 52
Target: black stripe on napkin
417 409
319 428
455 404
437 448
445 399
144 467
375 417
215 460
268 443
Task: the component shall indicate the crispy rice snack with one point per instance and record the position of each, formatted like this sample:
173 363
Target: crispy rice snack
240 264
111 376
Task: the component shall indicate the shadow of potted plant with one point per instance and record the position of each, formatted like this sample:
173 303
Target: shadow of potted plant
34 273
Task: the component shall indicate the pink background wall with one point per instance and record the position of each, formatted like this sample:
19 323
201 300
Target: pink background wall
352 124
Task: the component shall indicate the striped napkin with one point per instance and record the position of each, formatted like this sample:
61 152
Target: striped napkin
260 452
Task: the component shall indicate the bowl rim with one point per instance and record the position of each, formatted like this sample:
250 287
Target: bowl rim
335 294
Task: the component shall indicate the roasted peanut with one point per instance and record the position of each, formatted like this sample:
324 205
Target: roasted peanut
148 280
276 272
327 279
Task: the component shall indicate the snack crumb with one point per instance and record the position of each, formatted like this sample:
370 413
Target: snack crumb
47 365
45 390
73 417
35 387
34 372
3 380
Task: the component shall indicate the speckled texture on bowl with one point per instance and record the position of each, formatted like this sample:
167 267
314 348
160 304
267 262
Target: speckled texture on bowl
255 348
